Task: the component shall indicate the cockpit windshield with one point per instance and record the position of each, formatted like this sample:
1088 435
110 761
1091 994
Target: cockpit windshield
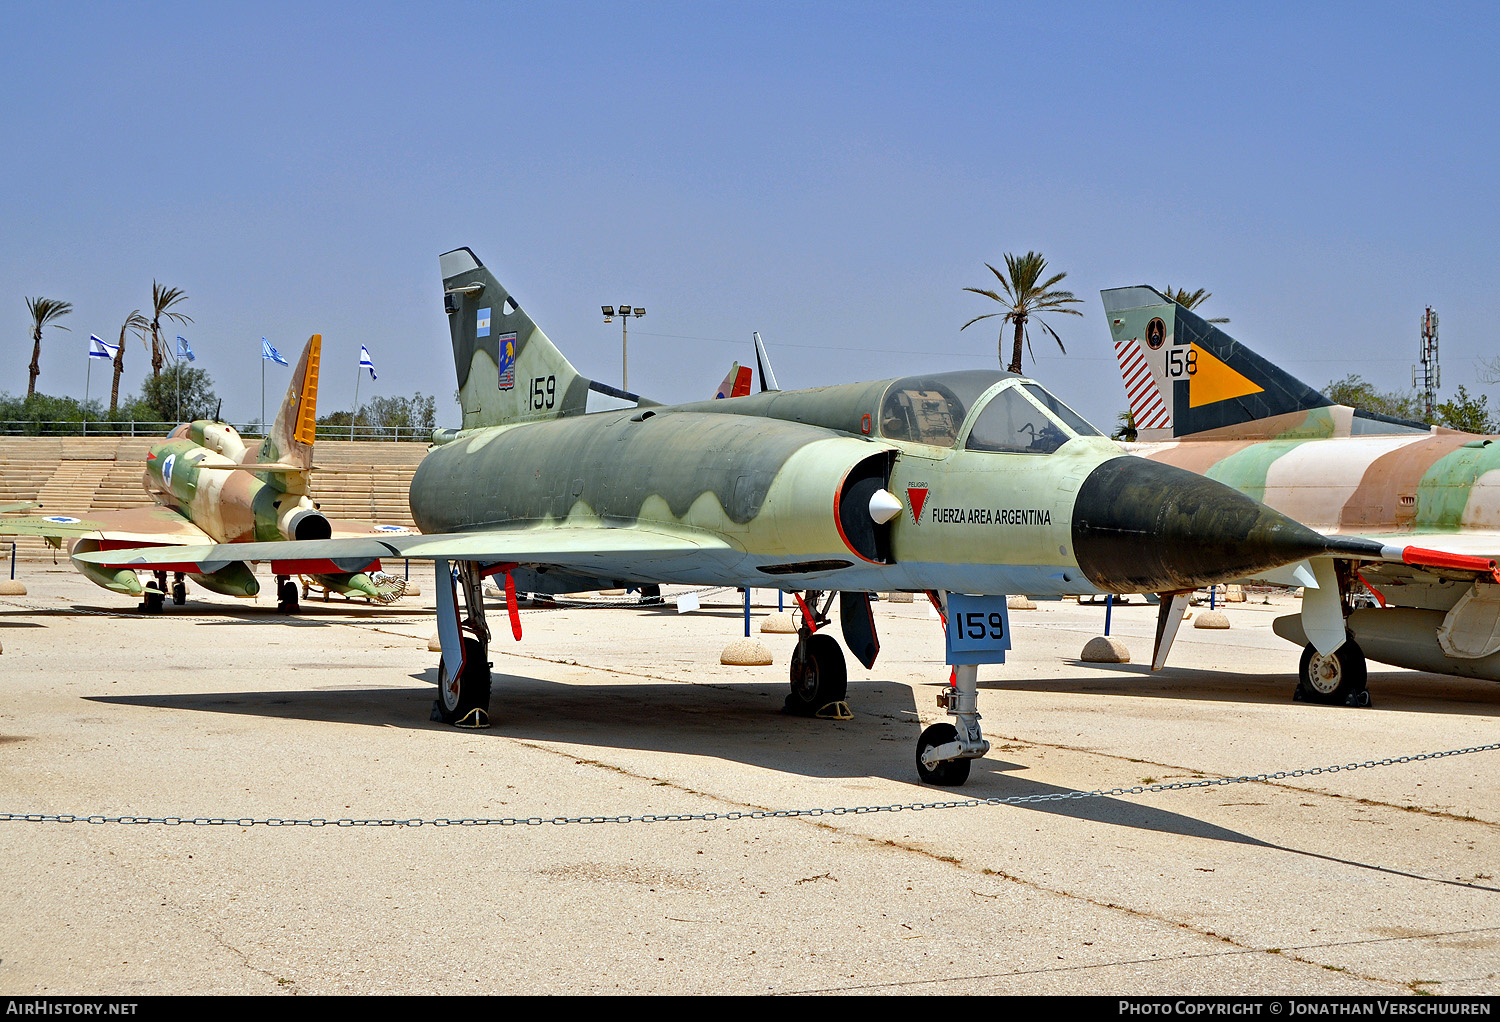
1077 423
1013 425
930 409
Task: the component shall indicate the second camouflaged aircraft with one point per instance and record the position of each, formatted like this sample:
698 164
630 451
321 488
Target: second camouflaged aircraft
1203 401
210 486
974 482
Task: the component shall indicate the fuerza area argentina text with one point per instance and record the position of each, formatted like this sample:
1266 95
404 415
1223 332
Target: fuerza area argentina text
991 516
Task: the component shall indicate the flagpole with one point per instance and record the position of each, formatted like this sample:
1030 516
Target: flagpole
87 372
262 385
353 414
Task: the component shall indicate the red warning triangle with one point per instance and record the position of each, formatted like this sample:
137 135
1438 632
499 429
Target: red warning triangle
915 498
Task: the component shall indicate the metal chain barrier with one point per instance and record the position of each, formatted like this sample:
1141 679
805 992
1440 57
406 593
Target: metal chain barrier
738 815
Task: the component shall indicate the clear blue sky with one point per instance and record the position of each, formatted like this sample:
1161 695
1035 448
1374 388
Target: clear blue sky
830 174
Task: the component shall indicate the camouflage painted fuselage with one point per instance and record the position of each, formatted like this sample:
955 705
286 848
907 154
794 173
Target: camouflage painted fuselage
1408 482
995 486
780 484
233 505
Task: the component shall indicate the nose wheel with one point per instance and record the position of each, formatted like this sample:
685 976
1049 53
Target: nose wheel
945 773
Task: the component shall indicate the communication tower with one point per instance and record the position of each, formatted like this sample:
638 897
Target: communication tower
1427 377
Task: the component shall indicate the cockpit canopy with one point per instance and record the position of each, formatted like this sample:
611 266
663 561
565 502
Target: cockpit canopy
1015 416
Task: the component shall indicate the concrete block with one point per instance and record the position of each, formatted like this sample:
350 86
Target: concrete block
778 623
1211 619
745 653
1105 649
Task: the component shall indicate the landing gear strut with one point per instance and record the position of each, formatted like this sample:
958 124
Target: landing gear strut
944 750
820 678
1338 679
464 670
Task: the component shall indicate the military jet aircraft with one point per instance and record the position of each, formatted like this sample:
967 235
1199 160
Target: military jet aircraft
1204 402
211 487
953 484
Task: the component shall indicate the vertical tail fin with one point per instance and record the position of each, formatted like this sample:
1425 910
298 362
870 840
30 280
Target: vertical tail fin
508 369
736 384
290 440
763 363
1184 376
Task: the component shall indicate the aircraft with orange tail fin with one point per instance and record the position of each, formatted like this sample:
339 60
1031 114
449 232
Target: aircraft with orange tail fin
211 486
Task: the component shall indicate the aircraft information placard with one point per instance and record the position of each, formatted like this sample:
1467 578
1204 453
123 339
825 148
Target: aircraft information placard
978 629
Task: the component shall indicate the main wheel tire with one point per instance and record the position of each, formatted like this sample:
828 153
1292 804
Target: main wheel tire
152 602
819 675
179 593
286 597
470 691
1338 679
950 773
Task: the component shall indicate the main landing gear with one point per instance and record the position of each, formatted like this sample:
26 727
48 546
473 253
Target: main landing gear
179 589
464 670
153 598
820 679
286 595
1338 679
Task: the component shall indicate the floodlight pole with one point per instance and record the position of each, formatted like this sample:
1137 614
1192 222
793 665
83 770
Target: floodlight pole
624 312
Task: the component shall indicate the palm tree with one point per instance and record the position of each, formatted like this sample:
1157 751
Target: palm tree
140 324
1190 300
162 299
1024 298
43 312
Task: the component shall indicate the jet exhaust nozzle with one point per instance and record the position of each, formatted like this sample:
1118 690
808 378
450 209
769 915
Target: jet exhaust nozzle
1140 526
305 523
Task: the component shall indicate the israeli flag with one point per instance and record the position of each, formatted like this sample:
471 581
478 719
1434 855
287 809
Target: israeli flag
365 363
100 348
271 354
185 350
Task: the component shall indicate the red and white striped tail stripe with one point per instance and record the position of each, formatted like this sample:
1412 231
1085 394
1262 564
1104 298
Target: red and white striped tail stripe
1146 402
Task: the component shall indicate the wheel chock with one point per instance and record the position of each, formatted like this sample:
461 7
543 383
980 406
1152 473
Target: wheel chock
835 711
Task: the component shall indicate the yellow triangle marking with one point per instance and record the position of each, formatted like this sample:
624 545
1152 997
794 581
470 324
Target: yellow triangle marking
1215 381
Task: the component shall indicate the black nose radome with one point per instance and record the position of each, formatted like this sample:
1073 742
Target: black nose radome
1143 527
